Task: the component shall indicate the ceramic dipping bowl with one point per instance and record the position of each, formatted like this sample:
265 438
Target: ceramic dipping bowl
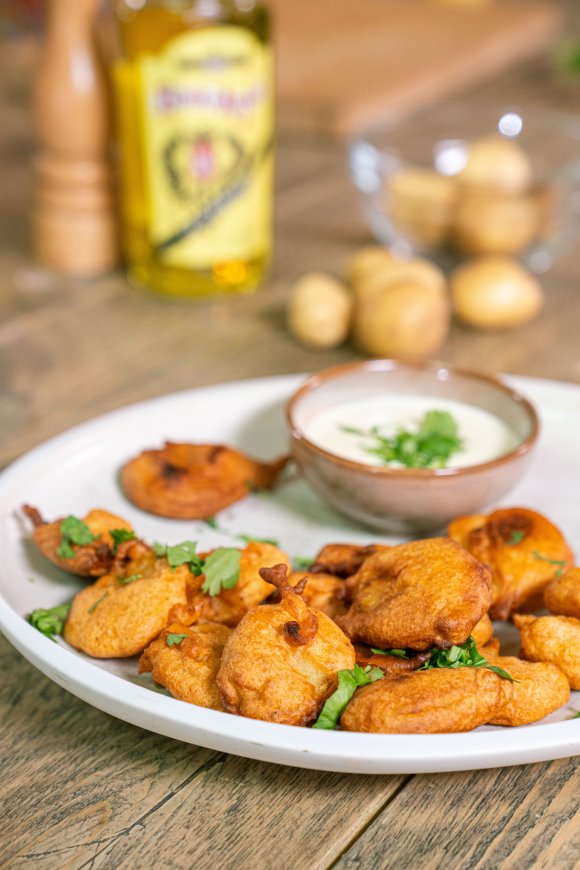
409 500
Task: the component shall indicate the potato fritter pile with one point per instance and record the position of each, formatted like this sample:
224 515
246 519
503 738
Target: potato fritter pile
386 639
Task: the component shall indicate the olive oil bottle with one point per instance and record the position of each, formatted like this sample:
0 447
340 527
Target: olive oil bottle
194 88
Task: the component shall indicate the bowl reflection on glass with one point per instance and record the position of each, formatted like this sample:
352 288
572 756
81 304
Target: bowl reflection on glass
409 500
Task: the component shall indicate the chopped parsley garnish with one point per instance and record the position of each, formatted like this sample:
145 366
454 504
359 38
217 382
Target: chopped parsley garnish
73 531
348 683
575 716
464 656
124 581
221 568
174 639
515 538
301 563
50 622
561 563
211 522
94 606
431 446
401 653
119 536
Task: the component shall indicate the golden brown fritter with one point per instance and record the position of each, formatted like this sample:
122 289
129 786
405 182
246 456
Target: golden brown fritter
230 605
491 648
435 701
416 596
390 664
554 639
281 662
538 690
482 633
322 592
343 560
562 595
188 668
522 549
194 481
90 560
118 617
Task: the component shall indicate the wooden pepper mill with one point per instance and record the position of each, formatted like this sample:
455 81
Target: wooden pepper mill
75 222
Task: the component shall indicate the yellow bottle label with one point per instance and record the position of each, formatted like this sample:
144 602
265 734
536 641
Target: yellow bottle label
207 129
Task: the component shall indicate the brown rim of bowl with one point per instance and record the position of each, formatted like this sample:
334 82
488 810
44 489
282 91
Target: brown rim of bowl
385 365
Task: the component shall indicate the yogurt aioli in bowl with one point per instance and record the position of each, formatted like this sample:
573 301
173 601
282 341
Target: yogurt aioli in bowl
484 436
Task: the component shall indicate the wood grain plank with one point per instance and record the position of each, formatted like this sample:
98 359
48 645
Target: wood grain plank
515 817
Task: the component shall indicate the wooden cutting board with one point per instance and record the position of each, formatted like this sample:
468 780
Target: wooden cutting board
346 64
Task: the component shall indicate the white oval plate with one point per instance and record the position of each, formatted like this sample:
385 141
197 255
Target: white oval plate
77 471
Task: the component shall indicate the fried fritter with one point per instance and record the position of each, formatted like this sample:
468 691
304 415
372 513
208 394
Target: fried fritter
416 596
554 639
434 701
522 549
188 668
390 664
343 560
118 617
562 595
281 662
538 690
230 605
90 560
491 648
194 481
482 633
323 592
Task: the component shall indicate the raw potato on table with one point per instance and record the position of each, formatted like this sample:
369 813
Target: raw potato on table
281 662
437 701
185 660
523 550
416 596
194 481
553 639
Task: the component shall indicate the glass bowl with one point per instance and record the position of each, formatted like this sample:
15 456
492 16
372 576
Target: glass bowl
421 192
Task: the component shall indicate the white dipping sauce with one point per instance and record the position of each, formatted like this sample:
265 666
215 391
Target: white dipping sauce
484 435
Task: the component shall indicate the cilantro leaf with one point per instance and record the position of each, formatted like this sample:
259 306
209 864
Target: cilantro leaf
401 653
94 606
221 569
431 446
50 622
119 536
560 562
181 554
465 656
516 537
174 639
301 563
73 531
348 683
124 581
211 522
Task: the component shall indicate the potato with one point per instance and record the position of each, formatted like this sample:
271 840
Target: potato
366 262
495 292
498 163
492 222
320 310
420 203
397 271
403 320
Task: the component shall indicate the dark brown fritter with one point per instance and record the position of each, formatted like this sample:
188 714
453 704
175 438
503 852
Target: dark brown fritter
194 481
89 560
523 551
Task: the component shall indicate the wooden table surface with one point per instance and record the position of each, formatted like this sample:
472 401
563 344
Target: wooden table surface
81 789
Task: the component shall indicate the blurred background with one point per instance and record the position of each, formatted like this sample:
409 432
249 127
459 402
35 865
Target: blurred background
378 106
